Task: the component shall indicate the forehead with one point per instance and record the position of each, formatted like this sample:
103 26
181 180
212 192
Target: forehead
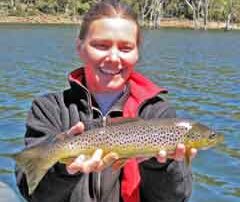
113 28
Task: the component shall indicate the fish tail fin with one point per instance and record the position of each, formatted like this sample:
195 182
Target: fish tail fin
34 165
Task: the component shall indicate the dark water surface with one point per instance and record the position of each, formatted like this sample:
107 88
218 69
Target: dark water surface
200 69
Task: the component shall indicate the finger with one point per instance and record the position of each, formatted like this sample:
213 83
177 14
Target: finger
96 157
92 164
110 158
76 129
76 165
119 164
180 152
193 153
162 156
107 161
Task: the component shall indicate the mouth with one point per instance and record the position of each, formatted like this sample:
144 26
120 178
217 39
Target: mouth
109 71
215 141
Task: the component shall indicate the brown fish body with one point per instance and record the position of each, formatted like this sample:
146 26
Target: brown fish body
138 138
141 138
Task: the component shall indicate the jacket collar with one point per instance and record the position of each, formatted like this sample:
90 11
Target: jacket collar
140 88
77 78
78 84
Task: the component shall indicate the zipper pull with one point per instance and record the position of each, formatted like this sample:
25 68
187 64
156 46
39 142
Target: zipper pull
104 121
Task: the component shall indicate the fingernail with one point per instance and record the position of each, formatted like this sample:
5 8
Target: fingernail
80 159
193 153
76 129
115 156
162 156
97 155
162 153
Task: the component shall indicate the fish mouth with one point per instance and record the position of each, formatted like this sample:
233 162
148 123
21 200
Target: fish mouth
207 143
214 142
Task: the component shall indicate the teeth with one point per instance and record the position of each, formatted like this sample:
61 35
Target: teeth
108 71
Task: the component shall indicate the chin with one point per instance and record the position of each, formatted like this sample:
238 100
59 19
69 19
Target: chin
112 88
117 86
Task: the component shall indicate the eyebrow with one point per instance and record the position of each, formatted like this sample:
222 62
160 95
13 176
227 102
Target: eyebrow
109 40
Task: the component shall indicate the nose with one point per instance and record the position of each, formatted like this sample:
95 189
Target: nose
114 55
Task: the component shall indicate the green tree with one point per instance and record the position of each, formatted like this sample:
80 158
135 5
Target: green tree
47 6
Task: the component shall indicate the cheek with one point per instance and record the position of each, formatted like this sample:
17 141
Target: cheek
94 56
91 56
130 60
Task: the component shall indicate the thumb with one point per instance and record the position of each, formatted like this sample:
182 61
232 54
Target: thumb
76 129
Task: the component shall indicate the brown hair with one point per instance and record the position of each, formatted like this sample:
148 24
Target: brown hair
108 9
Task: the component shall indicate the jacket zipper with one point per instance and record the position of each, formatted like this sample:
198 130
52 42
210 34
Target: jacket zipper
99 174
104 123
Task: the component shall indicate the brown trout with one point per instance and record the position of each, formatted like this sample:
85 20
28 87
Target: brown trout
138 138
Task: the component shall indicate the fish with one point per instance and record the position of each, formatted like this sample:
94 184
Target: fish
129 139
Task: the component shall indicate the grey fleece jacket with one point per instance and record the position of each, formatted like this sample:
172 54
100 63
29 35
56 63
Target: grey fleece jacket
57 112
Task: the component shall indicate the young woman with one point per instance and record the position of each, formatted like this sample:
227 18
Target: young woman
106 87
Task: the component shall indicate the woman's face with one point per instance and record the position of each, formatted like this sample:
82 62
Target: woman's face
109 52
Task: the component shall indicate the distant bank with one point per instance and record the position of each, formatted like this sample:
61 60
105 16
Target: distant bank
51 19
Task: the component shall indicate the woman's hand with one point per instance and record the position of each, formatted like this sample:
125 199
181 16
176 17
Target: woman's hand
97 162
178 155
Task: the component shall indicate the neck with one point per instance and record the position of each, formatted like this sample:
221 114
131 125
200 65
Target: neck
93 91
106 100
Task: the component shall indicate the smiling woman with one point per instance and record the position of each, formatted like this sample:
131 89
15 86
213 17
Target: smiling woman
106 87
110 53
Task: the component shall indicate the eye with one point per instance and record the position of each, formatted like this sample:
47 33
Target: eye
126 47
212 136
100 45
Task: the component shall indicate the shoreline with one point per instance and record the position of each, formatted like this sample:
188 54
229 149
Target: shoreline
67 20
39 19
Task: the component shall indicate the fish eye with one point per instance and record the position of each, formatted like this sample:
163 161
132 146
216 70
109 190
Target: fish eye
212 135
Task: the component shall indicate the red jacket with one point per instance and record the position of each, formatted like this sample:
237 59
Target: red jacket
141 89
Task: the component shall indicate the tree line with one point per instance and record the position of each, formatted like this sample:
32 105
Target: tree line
150 12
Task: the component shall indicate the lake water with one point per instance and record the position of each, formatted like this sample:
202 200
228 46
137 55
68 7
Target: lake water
200 69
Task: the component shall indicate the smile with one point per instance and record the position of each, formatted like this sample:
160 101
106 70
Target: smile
109 71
